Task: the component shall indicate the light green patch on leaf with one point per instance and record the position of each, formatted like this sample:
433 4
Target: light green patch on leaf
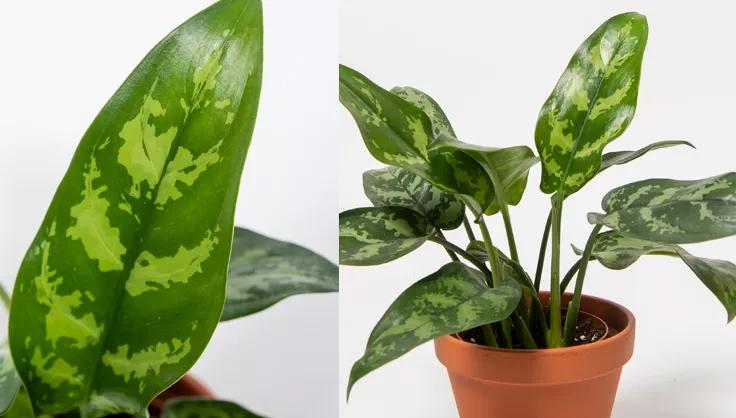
186 169
151 273
149 360
92 226
54 371
370 236
264 271
453 299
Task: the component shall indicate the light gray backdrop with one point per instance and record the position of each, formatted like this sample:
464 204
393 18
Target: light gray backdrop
491 65
60 63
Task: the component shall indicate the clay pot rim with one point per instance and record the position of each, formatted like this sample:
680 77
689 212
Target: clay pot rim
608 340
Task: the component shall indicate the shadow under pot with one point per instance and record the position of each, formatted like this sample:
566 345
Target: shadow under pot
571 382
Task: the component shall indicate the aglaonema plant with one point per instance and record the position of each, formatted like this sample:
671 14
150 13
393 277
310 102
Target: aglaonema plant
434 181
127 278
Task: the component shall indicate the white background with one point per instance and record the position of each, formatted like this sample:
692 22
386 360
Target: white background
60 63
491 65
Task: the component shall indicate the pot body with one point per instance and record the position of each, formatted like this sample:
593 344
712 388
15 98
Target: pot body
571 382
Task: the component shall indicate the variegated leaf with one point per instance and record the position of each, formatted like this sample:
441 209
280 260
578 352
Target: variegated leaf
617 251
510 269
395 131
205 408
622 157
370 236
672 211
453 299
9 380
510 165
264 271
420 99
592 103
20 407
124 283
394 186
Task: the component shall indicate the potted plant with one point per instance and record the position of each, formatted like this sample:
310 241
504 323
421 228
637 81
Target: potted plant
511 349
128 275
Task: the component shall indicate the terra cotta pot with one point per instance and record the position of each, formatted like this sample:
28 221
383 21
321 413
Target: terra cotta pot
186 387
571 382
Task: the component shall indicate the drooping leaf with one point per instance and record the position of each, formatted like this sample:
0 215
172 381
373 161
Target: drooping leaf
592 103
9 380
394 131
451 300
420 99
125 281
622 157
672 211
394 186
264 271
617 251
370 236
205 408
509 165
20 407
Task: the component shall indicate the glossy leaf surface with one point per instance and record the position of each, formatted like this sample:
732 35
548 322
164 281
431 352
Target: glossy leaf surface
451 300
394 186
592 103
622 157
124 283
205 408
264 271
617 251
9 379
509 165
420 99
370 236
672 211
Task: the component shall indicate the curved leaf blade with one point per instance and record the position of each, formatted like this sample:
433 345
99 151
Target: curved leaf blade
440 122
205 408
118 295
672 211
264 271
453 299
622 157
592 103
9 380
370 236
616 251
395 186
20 407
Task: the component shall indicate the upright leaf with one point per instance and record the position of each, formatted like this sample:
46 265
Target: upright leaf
672 211
124 283
370 236
205 408
592 103
394 186
453 299
622 157
617 251
264 271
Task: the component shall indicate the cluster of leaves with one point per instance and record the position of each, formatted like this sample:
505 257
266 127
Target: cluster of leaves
137 259
433 180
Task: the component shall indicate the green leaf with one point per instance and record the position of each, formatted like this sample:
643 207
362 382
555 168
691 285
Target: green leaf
205 408
622 157
672 211
20 407
394 186
370 236
509 165
264 271
420 99
453 299
617 251
124 283
592 103
9 380
395 131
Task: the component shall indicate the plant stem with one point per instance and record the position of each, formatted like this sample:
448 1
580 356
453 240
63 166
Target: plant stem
574 306
526 336
4 298
452 255
468 228
509 233
490 335
464 254
569 275
491 250
542 253
554 337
